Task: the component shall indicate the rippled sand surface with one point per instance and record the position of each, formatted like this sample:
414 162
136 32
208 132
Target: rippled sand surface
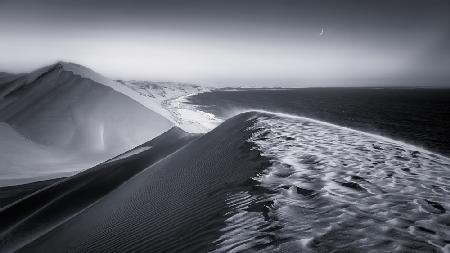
333 189
259 182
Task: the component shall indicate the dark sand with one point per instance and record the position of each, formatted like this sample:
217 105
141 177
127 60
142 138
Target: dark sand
29 218
417 116
10 194
175 205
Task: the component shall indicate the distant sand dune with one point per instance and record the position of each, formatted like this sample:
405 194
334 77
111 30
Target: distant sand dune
67 118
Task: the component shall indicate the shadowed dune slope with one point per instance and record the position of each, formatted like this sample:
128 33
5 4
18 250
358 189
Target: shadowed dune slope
177 204
10 194
35 214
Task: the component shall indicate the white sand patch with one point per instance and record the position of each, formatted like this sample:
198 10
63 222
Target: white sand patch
170 100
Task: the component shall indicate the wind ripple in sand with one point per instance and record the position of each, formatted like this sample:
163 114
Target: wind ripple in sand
335 189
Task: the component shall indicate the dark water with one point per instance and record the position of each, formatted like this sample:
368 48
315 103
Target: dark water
417 116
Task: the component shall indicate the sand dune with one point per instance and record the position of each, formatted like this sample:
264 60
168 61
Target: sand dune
32 216
72 117
260 181
177 204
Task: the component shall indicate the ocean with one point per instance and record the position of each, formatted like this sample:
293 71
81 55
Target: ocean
420 117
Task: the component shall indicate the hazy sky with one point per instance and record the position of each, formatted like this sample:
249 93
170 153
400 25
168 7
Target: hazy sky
225 42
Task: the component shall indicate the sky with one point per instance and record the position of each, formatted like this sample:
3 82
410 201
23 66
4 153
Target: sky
230 42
